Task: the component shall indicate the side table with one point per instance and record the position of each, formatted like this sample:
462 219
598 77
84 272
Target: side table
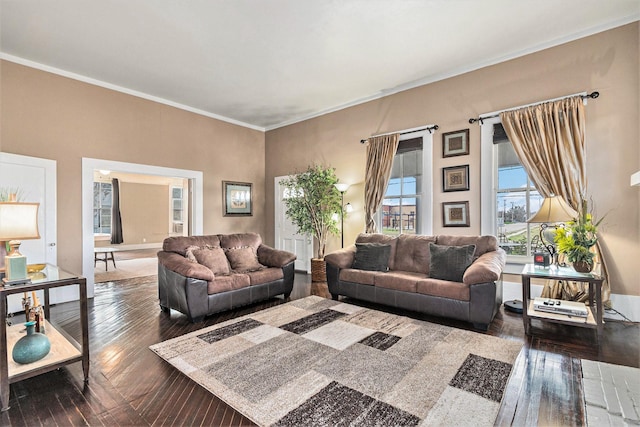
594 310
64 349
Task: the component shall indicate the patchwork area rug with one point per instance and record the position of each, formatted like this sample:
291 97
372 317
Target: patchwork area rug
319 362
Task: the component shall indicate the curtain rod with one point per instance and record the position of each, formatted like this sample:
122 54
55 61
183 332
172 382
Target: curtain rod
404 132
592 95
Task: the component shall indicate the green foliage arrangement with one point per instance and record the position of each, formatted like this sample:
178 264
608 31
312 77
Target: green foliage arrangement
578 236
313 203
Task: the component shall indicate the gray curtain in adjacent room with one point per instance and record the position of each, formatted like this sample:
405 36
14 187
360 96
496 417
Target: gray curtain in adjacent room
549 141
116 219
380 153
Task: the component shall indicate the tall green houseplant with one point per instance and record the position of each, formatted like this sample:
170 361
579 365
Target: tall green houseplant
313 203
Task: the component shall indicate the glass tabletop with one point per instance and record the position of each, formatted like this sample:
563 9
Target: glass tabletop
556 272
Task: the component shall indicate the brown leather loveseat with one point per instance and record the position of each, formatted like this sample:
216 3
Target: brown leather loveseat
458 277
202 275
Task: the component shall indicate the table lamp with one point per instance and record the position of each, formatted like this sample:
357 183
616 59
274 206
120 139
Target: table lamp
553 210
18 221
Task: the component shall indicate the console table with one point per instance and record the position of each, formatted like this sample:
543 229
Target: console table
594 310
64 349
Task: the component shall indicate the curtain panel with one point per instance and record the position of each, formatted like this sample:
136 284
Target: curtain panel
380 153
116 219
549 140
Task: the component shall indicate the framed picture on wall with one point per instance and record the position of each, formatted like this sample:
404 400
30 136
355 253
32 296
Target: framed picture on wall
455 178
455 214
455 143
237 198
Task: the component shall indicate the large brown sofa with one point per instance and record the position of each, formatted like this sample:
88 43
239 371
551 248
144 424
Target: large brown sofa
474 297
202 275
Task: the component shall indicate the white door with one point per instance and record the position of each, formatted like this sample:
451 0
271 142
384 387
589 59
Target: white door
35 179
286 236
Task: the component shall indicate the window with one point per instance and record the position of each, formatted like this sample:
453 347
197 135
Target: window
177 210
407 205
102 199
514 199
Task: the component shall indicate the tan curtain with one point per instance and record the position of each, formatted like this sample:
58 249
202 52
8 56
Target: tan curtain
549 141
380 153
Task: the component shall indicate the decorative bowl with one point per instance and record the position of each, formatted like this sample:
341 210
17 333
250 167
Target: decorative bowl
34 268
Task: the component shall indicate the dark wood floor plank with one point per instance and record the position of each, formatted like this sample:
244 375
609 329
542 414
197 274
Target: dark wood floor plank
130 386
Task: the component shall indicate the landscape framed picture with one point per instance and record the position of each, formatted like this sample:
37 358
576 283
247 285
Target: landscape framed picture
455 214
237 198
455 178
455 143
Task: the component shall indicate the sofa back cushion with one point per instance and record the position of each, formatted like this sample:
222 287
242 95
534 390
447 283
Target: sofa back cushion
229 241
382 239
180 244
412 253
483 243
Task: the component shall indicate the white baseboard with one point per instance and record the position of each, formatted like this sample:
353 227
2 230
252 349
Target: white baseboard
629 305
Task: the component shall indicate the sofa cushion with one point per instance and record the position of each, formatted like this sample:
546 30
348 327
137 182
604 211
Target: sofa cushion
380 238
412 253
228 283
358 276
372 256
179 244
265 275
228 241
398 280
483 243
443 288
243 259
450 262
213 258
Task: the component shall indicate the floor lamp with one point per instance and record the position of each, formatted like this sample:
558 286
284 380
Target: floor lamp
342 188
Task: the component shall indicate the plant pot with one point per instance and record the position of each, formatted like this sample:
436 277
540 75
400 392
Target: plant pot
582 267
318 270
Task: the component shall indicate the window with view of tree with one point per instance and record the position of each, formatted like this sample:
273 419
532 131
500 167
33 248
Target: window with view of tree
401 207
102 200
516 199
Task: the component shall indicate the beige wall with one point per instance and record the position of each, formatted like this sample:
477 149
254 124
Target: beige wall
607 62
145 213
53 117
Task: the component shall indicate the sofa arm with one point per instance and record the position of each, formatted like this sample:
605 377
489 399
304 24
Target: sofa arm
181 265
342 258
274 257
486 268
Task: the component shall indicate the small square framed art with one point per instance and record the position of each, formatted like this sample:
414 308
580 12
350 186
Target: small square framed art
455 214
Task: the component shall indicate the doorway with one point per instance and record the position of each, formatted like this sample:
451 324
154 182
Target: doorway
90 165
286 234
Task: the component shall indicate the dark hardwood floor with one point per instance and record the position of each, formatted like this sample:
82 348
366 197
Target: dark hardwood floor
129 385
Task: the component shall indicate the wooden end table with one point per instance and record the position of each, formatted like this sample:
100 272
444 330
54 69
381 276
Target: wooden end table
595 309
64 349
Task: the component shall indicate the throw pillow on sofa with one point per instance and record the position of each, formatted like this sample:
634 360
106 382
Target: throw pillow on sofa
372 257
243 259
450 262
212 258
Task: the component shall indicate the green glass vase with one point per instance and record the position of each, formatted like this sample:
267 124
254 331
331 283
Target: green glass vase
32 347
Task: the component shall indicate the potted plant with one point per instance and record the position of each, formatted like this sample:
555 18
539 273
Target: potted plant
576 239
313 205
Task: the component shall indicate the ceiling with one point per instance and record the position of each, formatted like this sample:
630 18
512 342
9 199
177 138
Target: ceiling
268 63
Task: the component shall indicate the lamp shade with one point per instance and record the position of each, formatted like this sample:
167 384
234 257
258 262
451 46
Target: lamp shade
342 187
554 209
19 221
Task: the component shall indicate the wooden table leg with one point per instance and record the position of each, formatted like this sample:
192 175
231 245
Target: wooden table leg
84 321
4 365
526 295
